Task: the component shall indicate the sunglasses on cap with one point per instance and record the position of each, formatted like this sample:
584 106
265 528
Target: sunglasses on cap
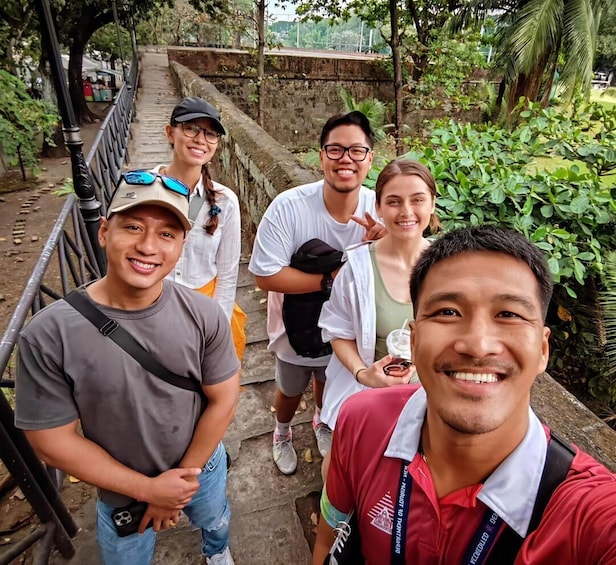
147 178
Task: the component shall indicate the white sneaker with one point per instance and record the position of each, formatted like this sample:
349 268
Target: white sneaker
324 438
223 558
284 454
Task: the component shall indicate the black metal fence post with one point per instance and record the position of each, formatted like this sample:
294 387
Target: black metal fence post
88 204
27 470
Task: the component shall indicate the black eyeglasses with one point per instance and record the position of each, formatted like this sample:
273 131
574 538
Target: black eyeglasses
357 153
193 130
147 178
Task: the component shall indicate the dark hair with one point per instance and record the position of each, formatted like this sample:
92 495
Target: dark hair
408 167
211 195
488 239
354 118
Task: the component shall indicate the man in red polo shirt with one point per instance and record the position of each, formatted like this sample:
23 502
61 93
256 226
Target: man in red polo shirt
438 474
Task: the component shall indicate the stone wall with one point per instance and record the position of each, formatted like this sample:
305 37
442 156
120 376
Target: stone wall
301 92
248 160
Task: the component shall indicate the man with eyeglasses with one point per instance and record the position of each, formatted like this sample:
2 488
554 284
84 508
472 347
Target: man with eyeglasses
148 444
337 210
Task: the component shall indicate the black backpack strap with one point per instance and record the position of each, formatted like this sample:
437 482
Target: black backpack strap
111 329
557 464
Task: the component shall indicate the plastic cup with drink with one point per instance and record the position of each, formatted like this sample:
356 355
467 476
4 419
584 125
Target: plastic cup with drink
399 347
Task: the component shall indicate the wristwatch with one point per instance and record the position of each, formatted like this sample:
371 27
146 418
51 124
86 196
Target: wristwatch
326 282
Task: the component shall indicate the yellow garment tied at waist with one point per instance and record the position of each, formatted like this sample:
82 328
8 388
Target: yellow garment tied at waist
238 320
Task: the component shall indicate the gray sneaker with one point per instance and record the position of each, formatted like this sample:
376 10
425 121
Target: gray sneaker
223 558
324 438
284 454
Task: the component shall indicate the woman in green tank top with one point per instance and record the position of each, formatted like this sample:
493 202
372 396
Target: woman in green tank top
371 294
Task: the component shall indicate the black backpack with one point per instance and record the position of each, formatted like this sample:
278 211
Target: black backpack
300 312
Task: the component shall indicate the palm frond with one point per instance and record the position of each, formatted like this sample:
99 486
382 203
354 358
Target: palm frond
535 30
580 28
372 108
476 11
347 100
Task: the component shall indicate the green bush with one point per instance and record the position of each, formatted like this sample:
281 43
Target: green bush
372 108
21 120
488 175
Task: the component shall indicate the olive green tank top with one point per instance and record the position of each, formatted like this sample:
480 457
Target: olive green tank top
390 313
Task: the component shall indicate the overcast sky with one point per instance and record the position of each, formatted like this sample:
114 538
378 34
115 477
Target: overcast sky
281 10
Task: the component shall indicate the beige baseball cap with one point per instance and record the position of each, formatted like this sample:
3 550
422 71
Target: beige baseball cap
128 196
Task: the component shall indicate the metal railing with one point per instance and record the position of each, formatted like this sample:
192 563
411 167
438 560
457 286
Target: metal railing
76 265
110 147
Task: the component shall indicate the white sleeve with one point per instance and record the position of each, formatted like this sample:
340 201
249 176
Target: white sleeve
273 245
336 319
228 257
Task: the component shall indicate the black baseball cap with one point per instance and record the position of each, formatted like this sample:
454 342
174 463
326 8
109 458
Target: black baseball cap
193 108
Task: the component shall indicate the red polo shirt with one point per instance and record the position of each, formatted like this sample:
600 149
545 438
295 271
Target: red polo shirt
374 431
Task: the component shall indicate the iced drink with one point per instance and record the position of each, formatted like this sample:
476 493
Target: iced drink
399 347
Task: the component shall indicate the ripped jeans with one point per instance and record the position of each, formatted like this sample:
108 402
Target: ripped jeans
208 510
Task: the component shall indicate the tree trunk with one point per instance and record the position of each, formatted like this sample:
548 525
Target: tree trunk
502 87
75 83
527 85
49 95
88 23
547 88
395 54
237 40
261 62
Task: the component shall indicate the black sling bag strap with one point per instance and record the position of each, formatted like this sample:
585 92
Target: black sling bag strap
557 463
111 329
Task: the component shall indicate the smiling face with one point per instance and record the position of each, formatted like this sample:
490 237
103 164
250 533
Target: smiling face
142 245
405 206
345 175
192 151
478 342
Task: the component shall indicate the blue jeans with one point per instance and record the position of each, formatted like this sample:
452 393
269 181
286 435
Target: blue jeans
208 510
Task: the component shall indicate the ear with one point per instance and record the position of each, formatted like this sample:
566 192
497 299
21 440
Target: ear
545 349
103 231
321 157
169 133
412 330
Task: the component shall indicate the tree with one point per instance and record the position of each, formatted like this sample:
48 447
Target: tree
21 120
534 36
261 7
411 27
15 26
397 62
605 57
106 41
77 21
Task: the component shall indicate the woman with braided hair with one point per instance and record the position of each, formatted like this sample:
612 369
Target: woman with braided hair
210 260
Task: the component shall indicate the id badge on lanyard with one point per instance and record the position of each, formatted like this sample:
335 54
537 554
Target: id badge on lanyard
477 549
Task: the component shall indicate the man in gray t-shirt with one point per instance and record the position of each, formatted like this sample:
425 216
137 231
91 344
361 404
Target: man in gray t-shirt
143 438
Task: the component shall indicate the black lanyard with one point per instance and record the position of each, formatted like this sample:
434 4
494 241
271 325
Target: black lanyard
401 514
477 549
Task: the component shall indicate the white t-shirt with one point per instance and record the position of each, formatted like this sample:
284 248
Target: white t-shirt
293 218
205 256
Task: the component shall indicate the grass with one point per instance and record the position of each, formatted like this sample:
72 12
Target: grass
552 163
606 100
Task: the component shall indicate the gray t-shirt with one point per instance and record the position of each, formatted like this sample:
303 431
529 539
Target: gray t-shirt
67 370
